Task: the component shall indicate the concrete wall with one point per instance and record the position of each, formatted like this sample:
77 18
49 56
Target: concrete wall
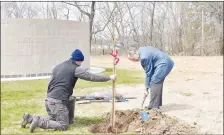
34 46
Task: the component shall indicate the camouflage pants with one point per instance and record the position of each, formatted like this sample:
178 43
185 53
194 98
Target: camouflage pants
70 107
58 115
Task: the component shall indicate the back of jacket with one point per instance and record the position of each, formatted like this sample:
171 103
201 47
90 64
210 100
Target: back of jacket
156 64
62 81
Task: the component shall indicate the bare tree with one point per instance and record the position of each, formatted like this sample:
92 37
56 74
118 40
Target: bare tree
152 20
132 22
107 16
19 10
53 11
66 10
90 15
178 27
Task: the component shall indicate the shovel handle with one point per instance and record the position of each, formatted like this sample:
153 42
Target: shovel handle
145 95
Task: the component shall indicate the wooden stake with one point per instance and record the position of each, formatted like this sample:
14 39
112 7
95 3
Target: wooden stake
113 85
114 91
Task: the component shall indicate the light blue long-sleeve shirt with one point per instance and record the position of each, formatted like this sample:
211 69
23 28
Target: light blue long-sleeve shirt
156 64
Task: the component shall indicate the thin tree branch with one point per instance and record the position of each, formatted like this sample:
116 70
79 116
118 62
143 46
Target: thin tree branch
108 21
77 6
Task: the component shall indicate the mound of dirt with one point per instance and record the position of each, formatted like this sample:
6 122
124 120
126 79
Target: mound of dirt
130 121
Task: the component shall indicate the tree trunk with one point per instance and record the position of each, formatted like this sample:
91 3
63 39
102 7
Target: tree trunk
152 18
92 14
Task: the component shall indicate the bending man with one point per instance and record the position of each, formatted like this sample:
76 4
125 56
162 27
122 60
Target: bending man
157 66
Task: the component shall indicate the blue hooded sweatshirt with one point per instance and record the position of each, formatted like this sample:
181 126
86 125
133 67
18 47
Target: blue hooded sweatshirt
157 64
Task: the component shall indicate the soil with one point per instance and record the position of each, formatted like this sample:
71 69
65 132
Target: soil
130 121
192 92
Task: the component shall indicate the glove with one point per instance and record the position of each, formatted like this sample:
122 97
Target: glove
113 77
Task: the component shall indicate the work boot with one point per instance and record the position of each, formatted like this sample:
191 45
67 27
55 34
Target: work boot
71 121
27 119
34 123
148 108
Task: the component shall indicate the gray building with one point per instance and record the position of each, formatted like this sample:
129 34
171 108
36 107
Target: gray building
32 47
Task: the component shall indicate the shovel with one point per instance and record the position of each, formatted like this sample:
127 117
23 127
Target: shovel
144 115
144 98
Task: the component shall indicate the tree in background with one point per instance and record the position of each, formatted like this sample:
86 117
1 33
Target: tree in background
180 28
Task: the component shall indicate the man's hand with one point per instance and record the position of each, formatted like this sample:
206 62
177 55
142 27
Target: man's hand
113 77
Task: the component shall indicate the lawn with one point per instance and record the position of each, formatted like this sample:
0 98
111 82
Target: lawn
18 97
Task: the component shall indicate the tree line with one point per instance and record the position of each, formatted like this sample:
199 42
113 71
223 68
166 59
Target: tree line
180 28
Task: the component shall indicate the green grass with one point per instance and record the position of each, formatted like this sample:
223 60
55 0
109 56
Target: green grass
18 97
19 90
188 94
